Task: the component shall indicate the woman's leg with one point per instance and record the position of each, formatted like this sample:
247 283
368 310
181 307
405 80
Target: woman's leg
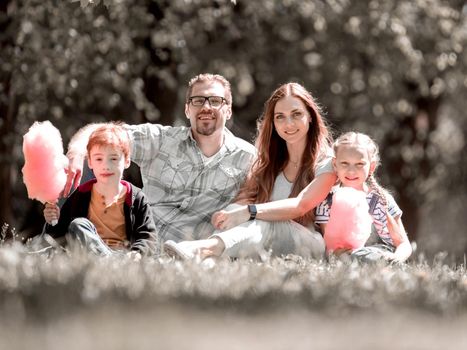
211 247
289 237
202 248
254 238
243 241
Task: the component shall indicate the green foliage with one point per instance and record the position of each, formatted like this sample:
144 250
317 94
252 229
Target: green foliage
393 69
80 63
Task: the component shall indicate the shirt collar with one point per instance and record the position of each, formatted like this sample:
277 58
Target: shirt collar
229 138
87 186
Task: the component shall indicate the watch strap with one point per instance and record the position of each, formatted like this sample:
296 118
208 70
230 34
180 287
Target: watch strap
253 211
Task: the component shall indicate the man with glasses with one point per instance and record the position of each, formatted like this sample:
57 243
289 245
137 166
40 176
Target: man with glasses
188 173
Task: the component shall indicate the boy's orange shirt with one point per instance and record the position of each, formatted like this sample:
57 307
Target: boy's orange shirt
108 220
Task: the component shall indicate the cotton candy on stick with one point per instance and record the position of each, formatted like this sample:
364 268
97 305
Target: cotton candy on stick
349 224
44 170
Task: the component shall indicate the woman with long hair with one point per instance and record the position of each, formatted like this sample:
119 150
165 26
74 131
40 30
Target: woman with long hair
292 174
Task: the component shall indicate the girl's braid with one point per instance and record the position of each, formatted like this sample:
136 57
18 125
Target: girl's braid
373 152
375 186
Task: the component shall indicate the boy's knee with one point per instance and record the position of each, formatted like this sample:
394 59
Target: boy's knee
78 223
80 228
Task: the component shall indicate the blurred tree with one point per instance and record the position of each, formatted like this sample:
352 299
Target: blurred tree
7 112
70 65
395 70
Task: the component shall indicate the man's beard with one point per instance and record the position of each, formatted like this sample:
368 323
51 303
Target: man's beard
206 127
205 130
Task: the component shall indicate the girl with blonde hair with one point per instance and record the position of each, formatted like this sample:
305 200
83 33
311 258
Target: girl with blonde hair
356 157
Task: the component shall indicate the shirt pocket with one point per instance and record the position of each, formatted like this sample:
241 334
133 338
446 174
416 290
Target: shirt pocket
175 174
227 180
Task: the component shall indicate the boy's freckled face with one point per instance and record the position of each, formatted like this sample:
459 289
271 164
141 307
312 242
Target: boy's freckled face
107 163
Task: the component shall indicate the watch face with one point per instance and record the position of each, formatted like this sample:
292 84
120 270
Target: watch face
252 210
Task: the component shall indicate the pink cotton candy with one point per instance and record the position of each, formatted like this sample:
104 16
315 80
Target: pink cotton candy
349 224
44 169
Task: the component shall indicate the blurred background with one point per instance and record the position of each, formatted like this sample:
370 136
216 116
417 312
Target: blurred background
393 69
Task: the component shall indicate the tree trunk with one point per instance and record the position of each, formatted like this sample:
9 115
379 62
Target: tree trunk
163 92
412 172
7 112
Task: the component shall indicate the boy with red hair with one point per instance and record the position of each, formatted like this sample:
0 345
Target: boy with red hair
106 214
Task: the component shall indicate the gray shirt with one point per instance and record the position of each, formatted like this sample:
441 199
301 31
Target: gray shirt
282 186
183 188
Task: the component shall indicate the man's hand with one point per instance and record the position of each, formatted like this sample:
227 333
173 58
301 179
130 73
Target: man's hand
74 174
226 219
76 154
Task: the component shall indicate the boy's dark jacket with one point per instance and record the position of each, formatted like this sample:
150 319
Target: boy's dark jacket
139 222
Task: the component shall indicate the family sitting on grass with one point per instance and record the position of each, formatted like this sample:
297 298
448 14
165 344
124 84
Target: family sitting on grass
284 192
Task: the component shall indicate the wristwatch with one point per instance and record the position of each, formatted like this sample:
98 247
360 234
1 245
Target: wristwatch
252 210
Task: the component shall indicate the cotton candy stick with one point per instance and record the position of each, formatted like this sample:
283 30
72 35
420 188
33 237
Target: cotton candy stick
44 168
349 224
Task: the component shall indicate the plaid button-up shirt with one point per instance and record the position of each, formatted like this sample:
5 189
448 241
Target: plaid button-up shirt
183 188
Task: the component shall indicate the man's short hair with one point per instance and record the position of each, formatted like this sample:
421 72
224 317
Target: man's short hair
207 77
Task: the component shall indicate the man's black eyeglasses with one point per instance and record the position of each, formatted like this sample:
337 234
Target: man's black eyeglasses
214 101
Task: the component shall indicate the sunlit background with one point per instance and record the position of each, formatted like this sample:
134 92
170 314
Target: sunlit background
393 69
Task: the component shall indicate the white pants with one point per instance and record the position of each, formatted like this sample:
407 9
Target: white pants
256 238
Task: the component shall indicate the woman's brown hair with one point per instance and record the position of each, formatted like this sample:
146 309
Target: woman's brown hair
272 150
